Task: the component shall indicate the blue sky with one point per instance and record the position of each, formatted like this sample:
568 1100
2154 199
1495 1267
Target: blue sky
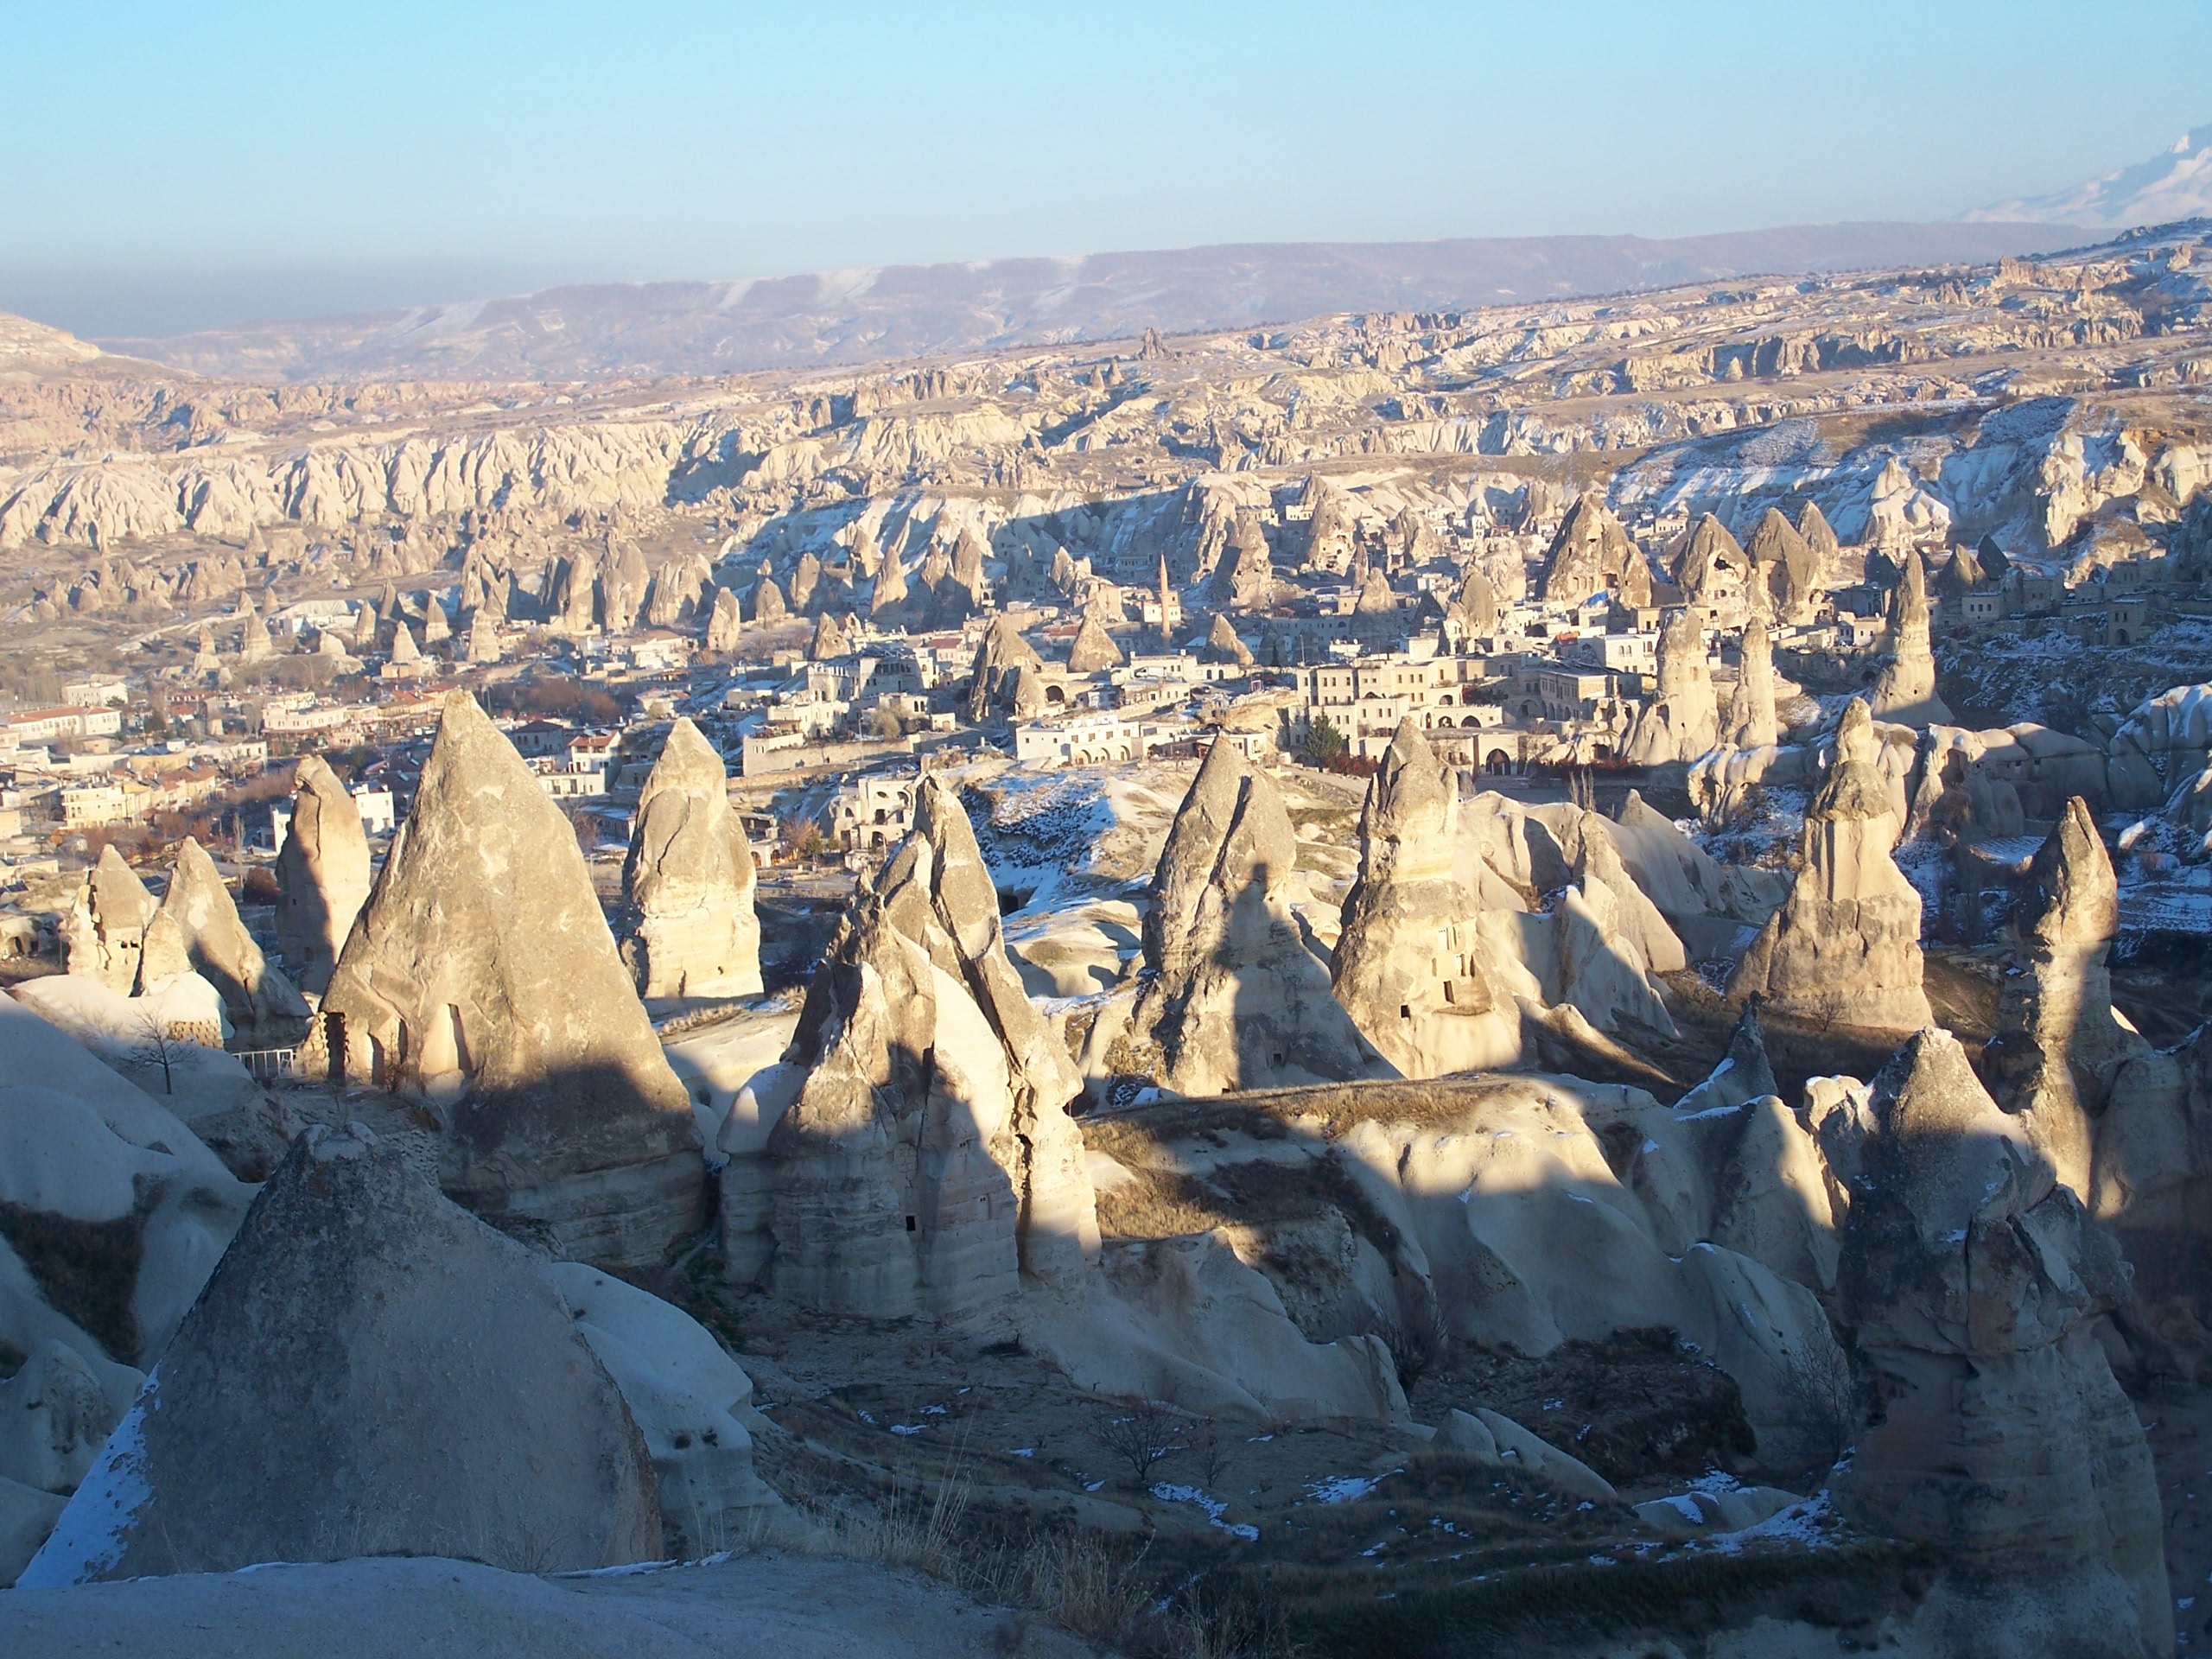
164 166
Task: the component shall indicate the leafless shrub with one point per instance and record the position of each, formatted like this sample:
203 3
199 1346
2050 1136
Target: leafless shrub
1144 1435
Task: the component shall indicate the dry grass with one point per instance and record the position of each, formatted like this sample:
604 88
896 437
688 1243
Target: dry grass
1092 1584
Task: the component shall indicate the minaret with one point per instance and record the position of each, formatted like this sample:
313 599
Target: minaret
1166 608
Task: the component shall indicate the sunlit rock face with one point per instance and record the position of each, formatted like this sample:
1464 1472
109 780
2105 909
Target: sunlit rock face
1411 966
322 875
1970 1278
1844 948
481 978
688 924
927 1162
1234 1000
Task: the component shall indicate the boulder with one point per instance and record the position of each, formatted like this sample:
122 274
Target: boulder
1970 1278
482 981
1495 1442
1843 948
322 875
1410 964
1234 1000
370 1372
113 1213
262 1005
689 1400
687 922
56 1413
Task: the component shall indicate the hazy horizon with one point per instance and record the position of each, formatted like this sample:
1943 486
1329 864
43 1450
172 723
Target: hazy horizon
336 163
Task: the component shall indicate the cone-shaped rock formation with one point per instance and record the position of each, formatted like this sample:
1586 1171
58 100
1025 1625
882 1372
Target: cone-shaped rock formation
262 1003
482 978
322 875
928 1160
688 924
1970 1279
1410 966
1235 1000
1844 948
370 1372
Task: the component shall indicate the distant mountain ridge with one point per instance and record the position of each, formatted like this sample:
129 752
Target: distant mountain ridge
900 311
2175 184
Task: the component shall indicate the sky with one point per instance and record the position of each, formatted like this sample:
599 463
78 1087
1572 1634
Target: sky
165 166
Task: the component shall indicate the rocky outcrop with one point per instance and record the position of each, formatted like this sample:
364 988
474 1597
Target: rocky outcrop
928 1163
1788 574
1752 723
829 641
105 932
1224 646
1681 720
264 1006
995 688
1411 966
1235 1000
2058 1042
112 1212
1905 693
481 979
768 607
370 1372
1844 948
688 926
1970 1278
1593 554
1245 579
1093 651
724 623
322 875
1713 569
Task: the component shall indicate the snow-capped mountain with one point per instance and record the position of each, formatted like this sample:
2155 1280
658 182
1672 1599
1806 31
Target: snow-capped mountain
2175 185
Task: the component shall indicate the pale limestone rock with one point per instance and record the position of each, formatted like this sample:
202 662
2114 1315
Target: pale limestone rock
928 1163
723 625
403 648
1235 999
1752 721
996 688
106 929
484 637
768 606
688 924
322 875
263 1004
1681 720
1411 966
689 1400
1970 1278
370 1372
1788 572
1844 948
1906 691
56 1413
2058 1042
481 979
1593 554
829 641
1093 650
1245 579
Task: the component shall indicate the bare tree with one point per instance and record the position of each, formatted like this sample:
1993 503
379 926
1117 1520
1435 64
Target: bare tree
1143 1435
155 1043
1209 1451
